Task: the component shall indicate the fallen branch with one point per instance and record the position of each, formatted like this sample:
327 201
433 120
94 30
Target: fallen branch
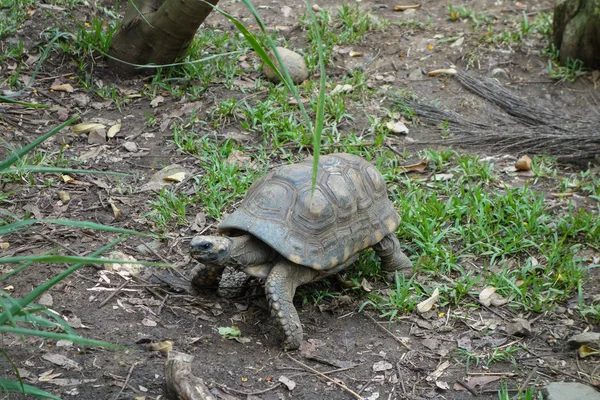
180 382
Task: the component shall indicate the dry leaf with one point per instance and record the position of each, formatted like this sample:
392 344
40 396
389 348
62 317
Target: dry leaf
164 347
523 164
367 287
437 72
342 89
438 372
353 53
67 178
428 304
561 195
488 297
148 322
419 167
176 177
404 8
62 361
290 384
442 385
4 245
441 177
397 127
65 87
123 269
116 212
113 130
64 196
157 100
586 351
86 127
380 366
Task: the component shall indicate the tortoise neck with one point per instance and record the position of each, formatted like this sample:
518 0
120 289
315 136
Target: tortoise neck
248 250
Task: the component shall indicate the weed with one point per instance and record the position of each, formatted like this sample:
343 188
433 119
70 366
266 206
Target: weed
460 13
397 300
167 208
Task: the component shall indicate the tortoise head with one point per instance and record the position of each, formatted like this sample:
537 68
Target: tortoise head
211 249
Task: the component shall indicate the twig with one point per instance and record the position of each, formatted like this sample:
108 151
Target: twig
228 389
526 381
469 388
162 304
346 388
113 294
400 377
390 333
126 381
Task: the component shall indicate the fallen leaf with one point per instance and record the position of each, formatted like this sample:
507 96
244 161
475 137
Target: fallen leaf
113 130
130 146
164 347
64 196
586 351
4 245
410 7
123 269
62 361
442 385
156 101
67 178
397 127
488 297
428 304
149 322
367 287
438 372
158 180
342 89
199 222
458 42
176 177
290 384
116 212
382 366
437 72
230 332
475 381
86 127
353 53
524 163
418 167
64 87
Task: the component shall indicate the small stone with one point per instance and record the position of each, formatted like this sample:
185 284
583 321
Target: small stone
45 300
519 327
409 12
591 339
570 391
97 137
560 310
293 62
500 73
416 74
130 147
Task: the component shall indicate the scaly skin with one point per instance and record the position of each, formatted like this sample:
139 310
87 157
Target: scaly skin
280 288
206 275
391 256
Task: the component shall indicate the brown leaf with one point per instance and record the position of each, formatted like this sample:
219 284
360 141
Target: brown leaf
418 167
428 304
64 87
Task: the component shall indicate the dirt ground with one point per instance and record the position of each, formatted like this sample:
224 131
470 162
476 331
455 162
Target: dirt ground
365 351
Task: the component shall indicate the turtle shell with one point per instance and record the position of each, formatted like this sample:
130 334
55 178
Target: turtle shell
348 212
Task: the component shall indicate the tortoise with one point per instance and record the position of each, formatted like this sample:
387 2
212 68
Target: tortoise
286 234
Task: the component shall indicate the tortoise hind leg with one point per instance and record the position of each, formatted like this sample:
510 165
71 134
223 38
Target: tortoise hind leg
280 288
391 256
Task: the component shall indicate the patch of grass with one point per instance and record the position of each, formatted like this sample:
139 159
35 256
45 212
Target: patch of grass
14 13
401 298
495 354
168 208
461 13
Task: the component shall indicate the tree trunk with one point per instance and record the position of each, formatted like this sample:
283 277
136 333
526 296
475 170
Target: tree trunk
160 35
576 31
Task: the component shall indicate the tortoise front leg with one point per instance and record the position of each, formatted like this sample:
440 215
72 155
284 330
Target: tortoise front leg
206 275
280 288
391 256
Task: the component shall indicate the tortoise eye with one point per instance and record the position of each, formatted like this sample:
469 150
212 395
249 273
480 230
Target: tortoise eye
206 246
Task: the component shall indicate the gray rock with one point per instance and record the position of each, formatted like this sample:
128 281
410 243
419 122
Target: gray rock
591 339
293 62
416 75
570 391
519 327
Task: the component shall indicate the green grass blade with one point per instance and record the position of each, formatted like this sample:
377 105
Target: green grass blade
24 150
37 169
9 386
57 336
21 103
35 293
57 258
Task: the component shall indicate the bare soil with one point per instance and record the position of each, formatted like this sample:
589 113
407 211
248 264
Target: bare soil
338 337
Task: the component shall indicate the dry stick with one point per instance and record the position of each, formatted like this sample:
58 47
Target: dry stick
346 388
526 381
228 389
162 304
401 377
113 294
469 388
126 381
391 334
